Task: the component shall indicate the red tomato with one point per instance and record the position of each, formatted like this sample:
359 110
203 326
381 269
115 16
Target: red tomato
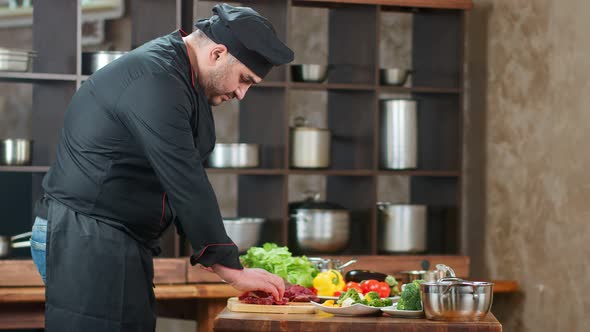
369 285
337 293
355 285
383 289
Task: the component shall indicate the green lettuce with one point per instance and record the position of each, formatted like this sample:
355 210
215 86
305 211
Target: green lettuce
279 260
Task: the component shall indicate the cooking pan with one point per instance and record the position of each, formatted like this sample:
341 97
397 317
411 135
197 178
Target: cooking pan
8 242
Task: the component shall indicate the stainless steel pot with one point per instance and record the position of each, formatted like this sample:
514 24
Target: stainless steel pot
234 155
426 275
309 72
310 146
402 228
7 243
394 76
245 232
15 59
325 264
398 134
453 299
318 227
93 61
15 152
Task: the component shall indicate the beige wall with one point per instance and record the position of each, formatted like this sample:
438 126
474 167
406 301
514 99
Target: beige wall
528 188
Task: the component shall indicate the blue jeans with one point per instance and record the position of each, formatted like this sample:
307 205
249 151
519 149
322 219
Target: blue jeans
38 242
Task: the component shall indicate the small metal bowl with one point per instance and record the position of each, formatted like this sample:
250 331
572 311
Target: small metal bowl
394 76
235 155
15 152
309 73
245 232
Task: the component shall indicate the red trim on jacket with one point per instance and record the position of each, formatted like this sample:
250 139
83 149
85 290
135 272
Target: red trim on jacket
163 208
209 245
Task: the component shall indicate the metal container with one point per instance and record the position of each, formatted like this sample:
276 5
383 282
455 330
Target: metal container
245 232
310 146
453 299
394 76
15 152
16 59
234 155
398 134
318 227
325 264
426 275
402 228
7 243
309 73
93 61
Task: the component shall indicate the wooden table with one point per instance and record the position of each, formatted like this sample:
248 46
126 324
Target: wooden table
238 321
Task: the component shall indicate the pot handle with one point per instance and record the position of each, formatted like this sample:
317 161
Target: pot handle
446 269
350 262
22 244
21 236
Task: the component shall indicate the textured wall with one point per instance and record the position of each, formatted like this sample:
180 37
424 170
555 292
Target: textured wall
533 68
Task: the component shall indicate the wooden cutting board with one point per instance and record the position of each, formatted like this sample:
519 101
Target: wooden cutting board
233 304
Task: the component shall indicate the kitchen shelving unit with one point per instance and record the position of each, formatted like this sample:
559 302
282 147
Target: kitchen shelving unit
353 112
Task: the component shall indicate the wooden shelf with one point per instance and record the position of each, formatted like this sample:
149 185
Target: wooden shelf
330 86
417 89
445 4
32 77
421 173
270 84
246 171
24 169
333 172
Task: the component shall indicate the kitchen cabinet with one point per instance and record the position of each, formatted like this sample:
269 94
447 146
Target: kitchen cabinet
353 93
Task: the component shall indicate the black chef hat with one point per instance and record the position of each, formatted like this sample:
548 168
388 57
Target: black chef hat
248 36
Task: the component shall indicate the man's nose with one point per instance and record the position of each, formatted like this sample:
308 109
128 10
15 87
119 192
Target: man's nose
241 91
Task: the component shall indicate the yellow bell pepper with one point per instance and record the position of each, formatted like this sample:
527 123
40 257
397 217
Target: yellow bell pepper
328 282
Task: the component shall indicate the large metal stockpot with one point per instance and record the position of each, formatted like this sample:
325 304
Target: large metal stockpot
310 146
402 228
398 134
234 155
318 227
454 299
15 151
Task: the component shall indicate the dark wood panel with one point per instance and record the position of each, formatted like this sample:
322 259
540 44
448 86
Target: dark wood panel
19 316
151 19
55 26
439 128
263 196
351 120
437 48
451 4
440 195
15 203
357 194
50 102
352 44
262 115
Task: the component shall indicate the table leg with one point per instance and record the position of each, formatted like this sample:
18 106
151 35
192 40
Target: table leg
207 310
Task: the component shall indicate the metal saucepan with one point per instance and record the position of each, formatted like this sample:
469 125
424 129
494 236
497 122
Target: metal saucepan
394 76
93 61
7 243
309 72
15 59
310 146
15 152
235 155
325 264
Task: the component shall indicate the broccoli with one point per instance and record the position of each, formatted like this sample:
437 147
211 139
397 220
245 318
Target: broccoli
410 298
352 294
392 282
380 303
372 296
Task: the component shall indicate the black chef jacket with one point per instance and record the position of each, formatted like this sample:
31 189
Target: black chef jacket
132 149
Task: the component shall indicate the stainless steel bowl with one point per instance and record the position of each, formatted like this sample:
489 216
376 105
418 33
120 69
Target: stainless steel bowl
93 61
453 299
245 232
309 73
234 155
394 76
15 152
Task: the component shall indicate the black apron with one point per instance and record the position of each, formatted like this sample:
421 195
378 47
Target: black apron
79 249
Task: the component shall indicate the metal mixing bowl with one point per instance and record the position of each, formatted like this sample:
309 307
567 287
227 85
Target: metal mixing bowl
245 232
15 152
234 155
394 76
453 299
309 73
93 61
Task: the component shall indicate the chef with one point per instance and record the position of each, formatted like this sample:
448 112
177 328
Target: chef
130 162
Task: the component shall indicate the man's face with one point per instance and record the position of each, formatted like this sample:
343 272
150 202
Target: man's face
228 80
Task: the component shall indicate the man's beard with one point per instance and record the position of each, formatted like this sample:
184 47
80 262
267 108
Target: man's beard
214 84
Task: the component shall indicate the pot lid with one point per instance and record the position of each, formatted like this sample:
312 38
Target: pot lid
301 123
312 202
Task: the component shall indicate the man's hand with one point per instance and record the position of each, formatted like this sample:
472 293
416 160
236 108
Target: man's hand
252 279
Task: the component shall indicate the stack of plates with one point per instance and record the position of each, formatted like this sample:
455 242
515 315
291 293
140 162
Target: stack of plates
15 60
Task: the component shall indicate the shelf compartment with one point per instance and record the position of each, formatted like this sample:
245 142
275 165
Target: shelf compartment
28 77
331 86
418 89
351 120
425 173
24 169
258 112
348 28
245 171
332 172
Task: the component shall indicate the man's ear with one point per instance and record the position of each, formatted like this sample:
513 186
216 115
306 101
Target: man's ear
217 52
